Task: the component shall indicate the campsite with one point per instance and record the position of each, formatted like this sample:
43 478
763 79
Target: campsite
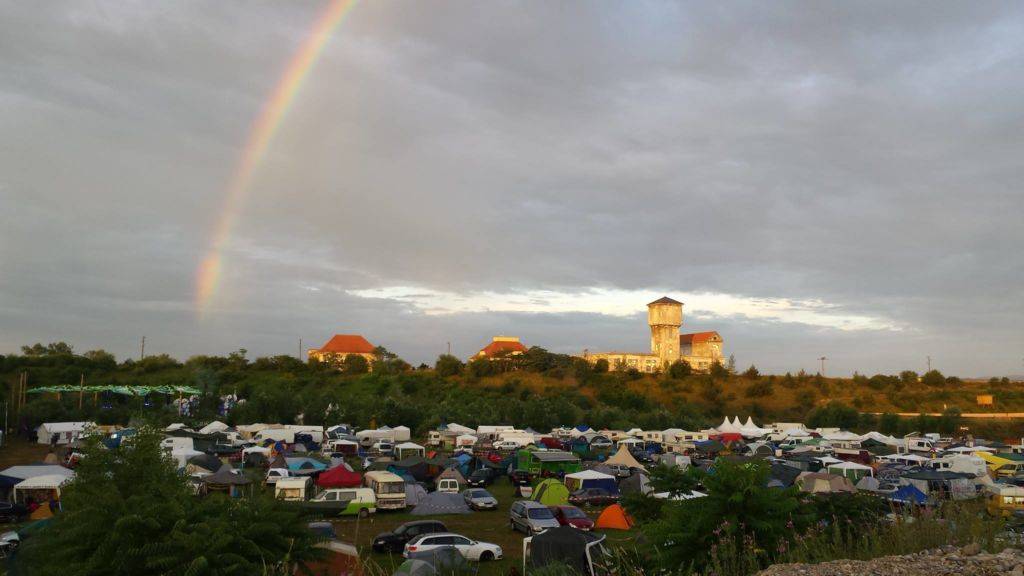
619 485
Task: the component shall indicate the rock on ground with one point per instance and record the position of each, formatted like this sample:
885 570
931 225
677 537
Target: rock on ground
948 561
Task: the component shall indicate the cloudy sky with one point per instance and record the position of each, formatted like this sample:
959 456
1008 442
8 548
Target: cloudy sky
809 178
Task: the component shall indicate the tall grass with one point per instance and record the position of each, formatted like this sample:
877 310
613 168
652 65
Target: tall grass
955 523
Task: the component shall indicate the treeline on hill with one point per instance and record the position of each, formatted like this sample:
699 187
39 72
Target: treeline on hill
538 389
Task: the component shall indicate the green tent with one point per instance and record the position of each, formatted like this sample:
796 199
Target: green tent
551 492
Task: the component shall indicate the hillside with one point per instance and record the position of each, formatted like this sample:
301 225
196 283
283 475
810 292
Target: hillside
545 391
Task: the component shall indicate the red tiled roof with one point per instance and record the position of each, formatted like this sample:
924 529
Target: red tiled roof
697 337
502 346
348 344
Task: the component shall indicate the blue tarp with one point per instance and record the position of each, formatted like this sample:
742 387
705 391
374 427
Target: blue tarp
909 494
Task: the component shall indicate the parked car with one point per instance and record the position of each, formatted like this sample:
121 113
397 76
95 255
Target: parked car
9 542
323 530
396 540
480 499
520 477
592 497
600 443
572 516
506 445
642 456
11 513
470 549
481 477
531 517
383 447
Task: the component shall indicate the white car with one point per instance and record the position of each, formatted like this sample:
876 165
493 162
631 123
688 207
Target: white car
470 549
506 445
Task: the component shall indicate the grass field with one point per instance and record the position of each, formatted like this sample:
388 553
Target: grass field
490 526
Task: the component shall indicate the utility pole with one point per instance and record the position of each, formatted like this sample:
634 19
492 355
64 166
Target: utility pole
449 348
300 349
822 359
929 363
142 350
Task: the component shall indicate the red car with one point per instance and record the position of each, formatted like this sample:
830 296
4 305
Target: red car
572 516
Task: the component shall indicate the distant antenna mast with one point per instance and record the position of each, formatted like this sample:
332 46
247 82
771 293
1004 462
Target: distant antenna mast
929 363
300 349
822 359
142 349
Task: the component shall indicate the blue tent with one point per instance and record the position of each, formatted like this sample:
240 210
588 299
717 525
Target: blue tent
909 494
303 465
582 428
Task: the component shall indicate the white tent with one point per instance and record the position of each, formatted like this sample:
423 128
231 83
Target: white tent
796 433
400 434
26 471
842 436
879 437
624 458
45 482
176 426
465 440
458 429
215 426
851 470
751 430
727 427
65 432
969 449
828 460
407 449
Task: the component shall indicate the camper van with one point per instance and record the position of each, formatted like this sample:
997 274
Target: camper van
961 463
178 443
344 502
293 489
388 488
920 445
1006 501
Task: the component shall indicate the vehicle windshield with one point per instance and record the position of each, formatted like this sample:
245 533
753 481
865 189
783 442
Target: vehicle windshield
392 488
400 530
573 513
540 514
479 494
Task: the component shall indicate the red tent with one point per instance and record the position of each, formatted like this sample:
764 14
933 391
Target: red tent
339 477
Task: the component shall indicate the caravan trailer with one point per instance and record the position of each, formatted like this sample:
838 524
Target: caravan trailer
388 487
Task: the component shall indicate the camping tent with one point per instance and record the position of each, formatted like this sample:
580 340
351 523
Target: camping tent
909 495
851 470
182 455
440 561
406 449
451 474
636 483
339 477
551 492
614 517
624 458
47 483
441 503
226 480
414 493
203 464
822 483
591 479
564 545
303 466
9 477
212 427
63 432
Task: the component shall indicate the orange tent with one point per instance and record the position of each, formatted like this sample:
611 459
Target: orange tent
614 517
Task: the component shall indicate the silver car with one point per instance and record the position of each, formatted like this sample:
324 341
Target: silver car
531 517
480 499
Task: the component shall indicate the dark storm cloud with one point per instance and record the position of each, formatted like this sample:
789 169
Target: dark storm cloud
864 155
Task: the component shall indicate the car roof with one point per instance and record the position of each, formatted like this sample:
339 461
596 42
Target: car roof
432 534
422 522
532 504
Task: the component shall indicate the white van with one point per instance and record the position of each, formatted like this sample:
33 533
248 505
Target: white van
294 489
275 434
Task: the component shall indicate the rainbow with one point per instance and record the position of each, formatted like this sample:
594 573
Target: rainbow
260 137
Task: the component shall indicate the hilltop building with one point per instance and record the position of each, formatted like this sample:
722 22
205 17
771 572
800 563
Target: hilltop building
501 347
665 317
340 346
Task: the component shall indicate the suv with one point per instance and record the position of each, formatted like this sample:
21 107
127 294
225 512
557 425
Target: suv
480 478
531 517
620 470
395 541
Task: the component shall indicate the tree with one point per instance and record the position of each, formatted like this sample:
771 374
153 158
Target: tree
51 349
480 367
718 371
751 373
933 378
128 512
740 511
448 365
679 369
102 359
355 364
908 377
833 415
731 367
601 366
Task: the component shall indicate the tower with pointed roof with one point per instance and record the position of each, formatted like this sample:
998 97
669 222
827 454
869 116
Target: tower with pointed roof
665 316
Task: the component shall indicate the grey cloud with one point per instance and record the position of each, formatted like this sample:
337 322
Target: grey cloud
866 155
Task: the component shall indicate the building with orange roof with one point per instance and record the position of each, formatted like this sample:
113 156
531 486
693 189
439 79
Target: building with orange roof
665 317
340 346
501 347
